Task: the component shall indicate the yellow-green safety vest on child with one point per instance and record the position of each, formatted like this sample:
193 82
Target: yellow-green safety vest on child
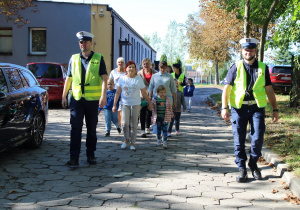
93 81
239 87
180 78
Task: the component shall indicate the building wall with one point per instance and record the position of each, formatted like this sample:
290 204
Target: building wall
62 20
101 27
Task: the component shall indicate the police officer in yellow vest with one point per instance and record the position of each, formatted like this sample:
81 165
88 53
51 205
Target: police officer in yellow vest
87 76
247 88
177 74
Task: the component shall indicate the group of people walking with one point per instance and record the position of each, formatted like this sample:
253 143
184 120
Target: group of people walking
157 98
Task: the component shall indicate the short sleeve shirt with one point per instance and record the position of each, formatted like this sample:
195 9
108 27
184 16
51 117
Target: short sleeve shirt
130 90
115 75
251 72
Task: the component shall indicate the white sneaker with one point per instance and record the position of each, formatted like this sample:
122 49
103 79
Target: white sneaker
124 145
148 131
132 148
143 134
158 143
165 146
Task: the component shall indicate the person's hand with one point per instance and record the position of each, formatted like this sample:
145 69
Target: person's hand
64 102
179 82
184 110
174 106
275 117
150 107
114 109
102 101
225 114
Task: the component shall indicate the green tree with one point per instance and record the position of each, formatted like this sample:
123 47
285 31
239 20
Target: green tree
11 10
173 45
147 38
262 13
164 58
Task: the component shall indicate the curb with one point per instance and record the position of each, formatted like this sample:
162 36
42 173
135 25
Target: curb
281 167
282 171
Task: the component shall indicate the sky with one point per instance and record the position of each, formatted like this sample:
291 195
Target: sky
149 16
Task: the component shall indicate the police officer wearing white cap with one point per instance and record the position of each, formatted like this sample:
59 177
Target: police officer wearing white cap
247 88
87 76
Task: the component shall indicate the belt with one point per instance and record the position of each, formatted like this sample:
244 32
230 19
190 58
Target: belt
249 103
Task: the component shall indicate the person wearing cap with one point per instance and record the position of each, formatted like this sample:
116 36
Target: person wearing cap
87 76
247 88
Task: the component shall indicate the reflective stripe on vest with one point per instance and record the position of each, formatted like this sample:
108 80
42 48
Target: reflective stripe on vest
93 82
239 87
180 78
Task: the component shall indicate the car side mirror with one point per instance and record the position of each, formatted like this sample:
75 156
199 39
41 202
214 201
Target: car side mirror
2 95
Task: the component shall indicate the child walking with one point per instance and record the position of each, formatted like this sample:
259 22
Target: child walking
188 92
180 101
130 86
162 114
109 115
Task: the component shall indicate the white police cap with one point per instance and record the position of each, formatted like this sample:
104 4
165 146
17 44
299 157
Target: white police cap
249 43
84 36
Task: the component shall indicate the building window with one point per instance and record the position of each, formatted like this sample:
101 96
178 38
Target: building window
6 41
38 37
120 33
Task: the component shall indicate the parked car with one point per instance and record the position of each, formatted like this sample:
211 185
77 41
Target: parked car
281 77
51 76
23 108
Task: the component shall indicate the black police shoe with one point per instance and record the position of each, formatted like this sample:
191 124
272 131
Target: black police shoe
91 160
243 177
255 171
119 130
73 163
107 134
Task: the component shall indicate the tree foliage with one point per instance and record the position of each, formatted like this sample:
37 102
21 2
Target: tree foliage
213 33
163 57
263 15
173 45
11 10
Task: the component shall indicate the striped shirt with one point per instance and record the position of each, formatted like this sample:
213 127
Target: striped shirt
161 107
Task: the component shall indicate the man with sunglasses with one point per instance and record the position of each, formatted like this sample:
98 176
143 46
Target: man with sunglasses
87 76
247 88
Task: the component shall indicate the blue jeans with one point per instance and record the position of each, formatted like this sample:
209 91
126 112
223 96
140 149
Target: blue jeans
177 122
162 126
110 116
240 118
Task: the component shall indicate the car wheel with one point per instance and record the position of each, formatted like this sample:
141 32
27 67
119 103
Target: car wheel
37 132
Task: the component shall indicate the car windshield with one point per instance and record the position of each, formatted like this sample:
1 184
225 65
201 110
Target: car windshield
50 71
282 70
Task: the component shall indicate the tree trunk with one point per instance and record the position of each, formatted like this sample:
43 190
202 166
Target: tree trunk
246 19
217 72
295 83
265 29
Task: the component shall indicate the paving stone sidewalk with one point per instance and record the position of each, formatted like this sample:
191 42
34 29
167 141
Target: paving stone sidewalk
197 171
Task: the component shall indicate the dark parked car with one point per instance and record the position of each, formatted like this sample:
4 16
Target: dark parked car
23 108
51 76
281 78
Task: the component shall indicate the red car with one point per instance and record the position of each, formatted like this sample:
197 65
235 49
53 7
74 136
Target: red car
281 78
51 77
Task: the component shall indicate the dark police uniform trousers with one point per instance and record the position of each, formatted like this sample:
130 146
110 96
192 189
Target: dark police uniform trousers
79 110
240 118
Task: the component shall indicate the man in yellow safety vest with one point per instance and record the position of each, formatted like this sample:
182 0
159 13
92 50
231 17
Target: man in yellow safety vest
87 76
247 87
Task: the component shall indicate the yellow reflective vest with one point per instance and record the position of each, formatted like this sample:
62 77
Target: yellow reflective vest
239 87
93 81
180 78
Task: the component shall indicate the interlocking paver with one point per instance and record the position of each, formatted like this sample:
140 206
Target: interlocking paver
197 171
